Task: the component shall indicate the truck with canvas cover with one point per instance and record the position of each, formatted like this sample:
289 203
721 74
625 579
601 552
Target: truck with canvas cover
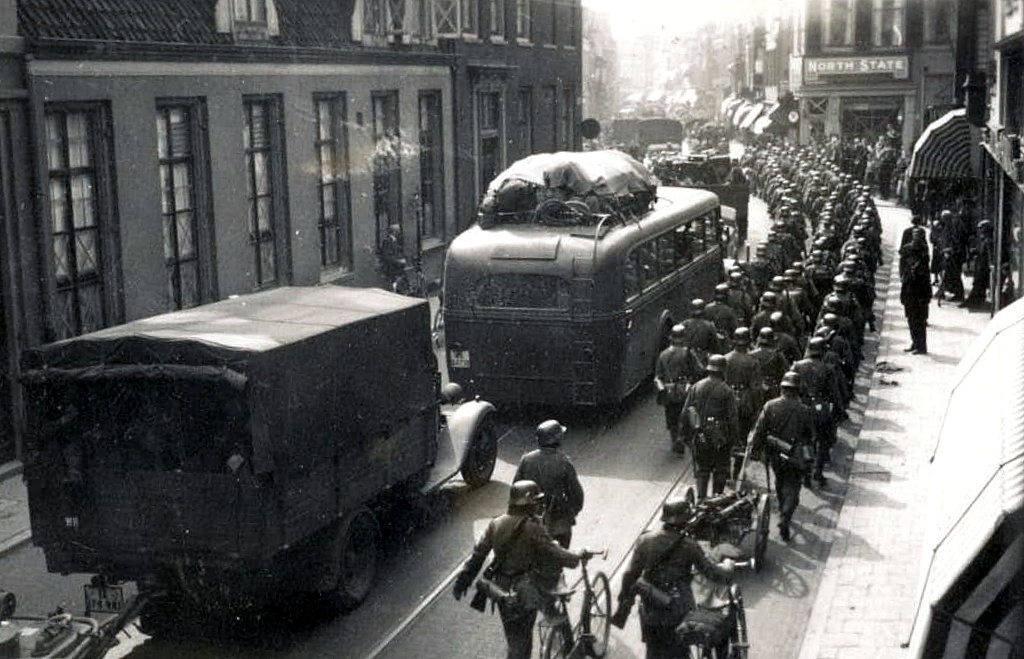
224 454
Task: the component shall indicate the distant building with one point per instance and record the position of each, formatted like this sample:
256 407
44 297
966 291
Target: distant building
188 150
860 67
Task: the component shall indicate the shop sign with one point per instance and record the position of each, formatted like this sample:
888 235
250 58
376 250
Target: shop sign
896 67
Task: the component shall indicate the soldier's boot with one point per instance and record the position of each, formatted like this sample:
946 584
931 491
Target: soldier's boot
702 478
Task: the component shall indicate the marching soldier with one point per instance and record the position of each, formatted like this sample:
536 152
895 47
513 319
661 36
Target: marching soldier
743 375
823 395
721 315
783 435
522 548
786 342
666 559
676 369
712 427
699 334
772 363
554 473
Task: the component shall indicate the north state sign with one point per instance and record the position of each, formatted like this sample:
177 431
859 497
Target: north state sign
897 67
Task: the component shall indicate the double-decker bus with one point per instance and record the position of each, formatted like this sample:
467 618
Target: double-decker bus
576 314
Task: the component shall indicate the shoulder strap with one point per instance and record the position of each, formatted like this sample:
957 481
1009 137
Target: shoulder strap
663 556
499 552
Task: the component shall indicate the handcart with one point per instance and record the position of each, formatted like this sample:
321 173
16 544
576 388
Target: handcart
740 517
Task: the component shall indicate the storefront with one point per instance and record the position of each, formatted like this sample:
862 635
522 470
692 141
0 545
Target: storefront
857 97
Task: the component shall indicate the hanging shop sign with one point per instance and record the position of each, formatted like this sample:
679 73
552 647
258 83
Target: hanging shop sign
897 67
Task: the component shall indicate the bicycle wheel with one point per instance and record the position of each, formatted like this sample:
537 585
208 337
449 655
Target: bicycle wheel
597 611
739 643
557 642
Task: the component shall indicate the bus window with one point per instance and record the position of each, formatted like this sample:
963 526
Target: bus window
711 236
668 258
522 291
647 261
631 277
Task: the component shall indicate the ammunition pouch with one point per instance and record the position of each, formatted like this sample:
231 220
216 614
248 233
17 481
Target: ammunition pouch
797 456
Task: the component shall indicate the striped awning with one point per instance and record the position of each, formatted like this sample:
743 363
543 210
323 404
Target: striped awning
944 149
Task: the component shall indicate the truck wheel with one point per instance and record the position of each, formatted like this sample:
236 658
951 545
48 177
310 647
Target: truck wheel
483 454
356 559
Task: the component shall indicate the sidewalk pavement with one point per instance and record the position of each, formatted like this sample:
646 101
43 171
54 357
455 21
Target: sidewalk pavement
867 596
14 525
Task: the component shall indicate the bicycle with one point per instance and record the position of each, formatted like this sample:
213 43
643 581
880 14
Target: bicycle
704 628
559 637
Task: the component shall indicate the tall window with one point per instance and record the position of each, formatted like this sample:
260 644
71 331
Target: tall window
497 18
387 162
548 121
490 125
887 23
78 161
468 14
335 221
431 166
525 120
838 23
568 117
268 231
523 30
572 18
181 150
938 22
251 11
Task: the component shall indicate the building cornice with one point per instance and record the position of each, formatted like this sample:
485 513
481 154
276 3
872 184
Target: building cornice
76 49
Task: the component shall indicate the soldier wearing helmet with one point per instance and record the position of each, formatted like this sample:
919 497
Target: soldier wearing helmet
787 343
739 298
822 392
712 427
554 473
772 363
699 334
666 558
721 315
675 371
522 548
783 437
743 375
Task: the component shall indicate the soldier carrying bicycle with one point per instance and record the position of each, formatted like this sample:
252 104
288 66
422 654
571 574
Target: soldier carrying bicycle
522 549
661 571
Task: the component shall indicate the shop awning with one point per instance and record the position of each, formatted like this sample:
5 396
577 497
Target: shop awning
975 539
751 116
761 124
944 149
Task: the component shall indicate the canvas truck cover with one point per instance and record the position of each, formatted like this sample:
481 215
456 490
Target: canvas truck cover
308 363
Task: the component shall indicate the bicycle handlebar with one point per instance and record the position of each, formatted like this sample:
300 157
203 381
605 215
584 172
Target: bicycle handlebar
587 554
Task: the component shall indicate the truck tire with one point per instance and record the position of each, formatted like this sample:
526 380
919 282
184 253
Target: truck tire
355 559
483 454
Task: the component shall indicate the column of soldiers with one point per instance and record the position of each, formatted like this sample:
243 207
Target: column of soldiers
772 359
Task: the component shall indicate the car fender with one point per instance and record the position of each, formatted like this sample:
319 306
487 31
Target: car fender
463 423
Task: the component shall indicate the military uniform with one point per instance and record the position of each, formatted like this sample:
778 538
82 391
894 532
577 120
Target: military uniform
773 365
743 375
823 395
715 407
666 558
554 473
676 369
522 549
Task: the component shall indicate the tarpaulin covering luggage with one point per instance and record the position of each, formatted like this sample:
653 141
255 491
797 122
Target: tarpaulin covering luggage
604 180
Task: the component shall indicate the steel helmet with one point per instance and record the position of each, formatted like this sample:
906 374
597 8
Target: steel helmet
775 318
791 380
550 433
678 331
833 303
766 336
830 319
816 346
722 291
769 298
524 493
676 512
716 364
741 336
697 306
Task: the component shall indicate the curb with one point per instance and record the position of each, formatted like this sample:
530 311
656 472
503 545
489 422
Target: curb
8 470
11 469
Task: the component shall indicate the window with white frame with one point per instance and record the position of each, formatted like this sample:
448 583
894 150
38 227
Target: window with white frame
838 23
431 165
888 23
469 10
81 220
335 221
250 11
497 19
387 162
263 140
490 138
523 25
184 200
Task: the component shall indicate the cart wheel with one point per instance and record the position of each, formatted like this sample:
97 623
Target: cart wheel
482 456
764 520
355 559
597 611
